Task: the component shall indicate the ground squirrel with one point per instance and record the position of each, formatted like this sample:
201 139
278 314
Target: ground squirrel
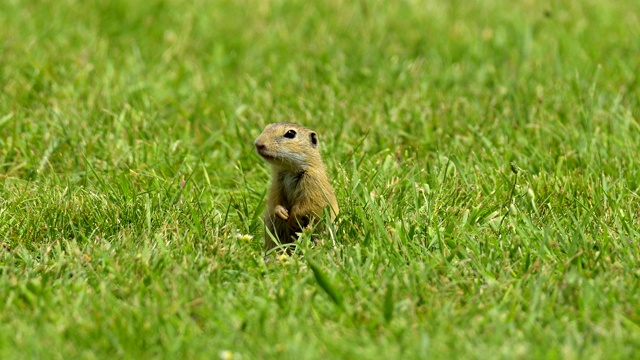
300 189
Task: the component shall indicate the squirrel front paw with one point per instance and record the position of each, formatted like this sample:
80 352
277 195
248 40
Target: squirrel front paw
282 212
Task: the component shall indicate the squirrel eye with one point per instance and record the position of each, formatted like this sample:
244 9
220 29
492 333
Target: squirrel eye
290 134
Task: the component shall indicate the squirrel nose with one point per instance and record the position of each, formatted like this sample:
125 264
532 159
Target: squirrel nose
260 146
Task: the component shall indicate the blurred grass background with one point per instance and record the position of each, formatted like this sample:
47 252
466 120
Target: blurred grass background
132 196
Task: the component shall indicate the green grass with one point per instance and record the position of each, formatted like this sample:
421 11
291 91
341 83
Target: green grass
131 195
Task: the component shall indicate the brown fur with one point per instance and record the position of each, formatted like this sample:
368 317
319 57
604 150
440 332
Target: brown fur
300 189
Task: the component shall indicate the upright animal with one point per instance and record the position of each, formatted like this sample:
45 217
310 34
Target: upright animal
300 189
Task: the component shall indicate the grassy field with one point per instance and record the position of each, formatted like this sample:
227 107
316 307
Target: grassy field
485 155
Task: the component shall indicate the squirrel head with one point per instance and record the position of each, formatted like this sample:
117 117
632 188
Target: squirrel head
289 146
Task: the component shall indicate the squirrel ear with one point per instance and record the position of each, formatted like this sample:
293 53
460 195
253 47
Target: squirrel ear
314 139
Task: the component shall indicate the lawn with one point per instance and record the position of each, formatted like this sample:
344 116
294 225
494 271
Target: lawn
485 156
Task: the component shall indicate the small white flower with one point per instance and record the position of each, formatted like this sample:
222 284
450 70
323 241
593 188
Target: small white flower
244 237
229 355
